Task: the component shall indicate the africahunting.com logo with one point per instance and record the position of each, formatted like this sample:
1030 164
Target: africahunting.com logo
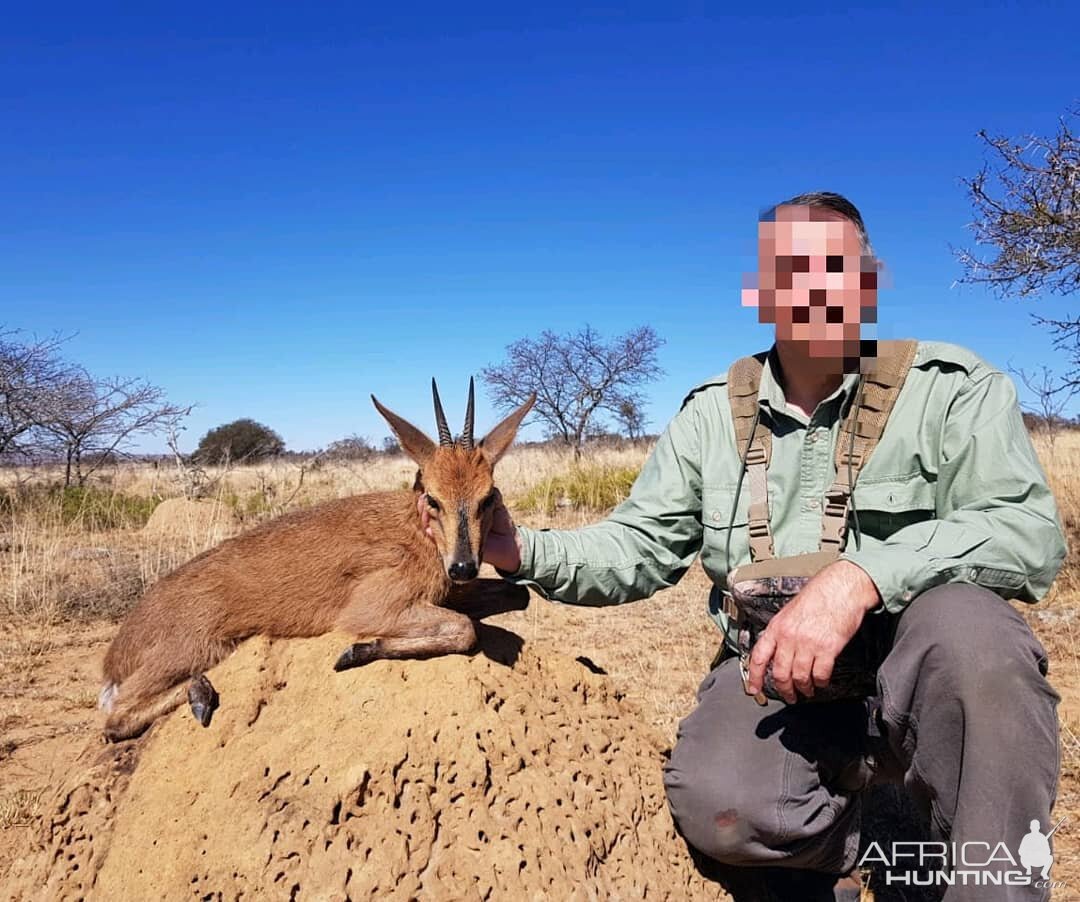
967 863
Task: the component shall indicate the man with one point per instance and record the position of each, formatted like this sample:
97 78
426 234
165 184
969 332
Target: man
954 516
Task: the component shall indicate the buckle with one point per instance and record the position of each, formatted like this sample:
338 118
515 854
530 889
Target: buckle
836 509
836 503
728 606
854 460
755 456
758 528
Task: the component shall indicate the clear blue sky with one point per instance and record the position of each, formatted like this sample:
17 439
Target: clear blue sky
274 210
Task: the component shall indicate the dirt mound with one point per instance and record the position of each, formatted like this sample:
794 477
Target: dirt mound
512 774
207 521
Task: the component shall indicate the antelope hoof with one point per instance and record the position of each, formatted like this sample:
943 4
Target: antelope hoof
112 735
357 655
203 699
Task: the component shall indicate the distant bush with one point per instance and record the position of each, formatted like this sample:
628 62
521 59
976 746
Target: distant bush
589 487
241 440
352 447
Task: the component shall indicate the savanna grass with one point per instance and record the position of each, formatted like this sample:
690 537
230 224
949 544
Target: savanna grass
585 487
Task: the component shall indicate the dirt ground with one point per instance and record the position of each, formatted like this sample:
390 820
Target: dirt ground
654 652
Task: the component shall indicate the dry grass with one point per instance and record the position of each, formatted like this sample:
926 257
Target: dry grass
60 576
83 554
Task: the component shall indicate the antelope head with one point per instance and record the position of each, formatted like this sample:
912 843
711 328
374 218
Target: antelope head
457 475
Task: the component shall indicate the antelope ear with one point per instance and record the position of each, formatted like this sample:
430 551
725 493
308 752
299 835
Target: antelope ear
495 443
413 442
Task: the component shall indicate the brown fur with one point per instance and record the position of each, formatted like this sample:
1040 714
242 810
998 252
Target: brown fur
361 565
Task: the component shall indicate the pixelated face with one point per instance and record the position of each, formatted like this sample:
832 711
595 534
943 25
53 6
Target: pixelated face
813 281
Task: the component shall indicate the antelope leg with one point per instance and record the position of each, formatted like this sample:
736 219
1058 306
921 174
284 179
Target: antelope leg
422 631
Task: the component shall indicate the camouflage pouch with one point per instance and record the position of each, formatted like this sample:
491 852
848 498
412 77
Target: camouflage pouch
756 592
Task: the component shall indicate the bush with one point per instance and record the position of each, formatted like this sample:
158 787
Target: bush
595 488
241 440
353 447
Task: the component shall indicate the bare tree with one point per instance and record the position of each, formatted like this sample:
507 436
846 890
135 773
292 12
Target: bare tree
1047 412
94 420
31 376
1027 211
577 377
631 418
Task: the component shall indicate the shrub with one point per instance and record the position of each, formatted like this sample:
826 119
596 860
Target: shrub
240 440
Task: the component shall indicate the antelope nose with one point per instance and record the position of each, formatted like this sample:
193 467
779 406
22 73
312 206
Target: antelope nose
463 571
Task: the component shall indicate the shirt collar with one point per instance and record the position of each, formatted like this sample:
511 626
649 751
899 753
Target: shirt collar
771 393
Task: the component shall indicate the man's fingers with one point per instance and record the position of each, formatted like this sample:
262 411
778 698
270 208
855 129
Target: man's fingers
502 519
802 674
759 660
502 522
781 672
823 668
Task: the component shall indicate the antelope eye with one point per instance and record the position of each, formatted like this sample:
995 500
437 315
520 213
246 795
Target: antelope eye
433 504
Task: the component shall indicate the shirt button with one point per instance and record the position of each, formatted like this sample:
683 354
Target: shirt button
908 595
815 504
716 515
813 436
973 574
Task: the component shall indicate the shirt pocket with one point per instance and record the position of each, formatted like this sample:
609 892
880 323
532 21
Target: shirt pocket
888 506
718 507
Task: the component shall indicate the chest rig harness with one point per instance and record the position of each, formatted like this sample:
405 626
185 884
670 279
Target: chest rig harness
755 592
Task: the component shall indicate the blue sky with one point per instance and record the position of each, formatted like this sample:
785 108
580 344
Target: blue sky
275 210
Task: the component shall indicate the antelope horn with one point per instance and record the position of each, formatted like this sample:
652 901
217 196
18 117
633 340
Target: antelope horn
445 438
467 438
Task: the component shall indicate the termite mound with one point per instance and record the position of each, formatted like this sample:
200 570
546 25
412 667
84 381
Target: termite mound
513 773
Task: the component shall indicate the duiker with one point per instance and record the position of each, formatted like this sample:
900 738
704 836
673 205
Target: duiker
360 565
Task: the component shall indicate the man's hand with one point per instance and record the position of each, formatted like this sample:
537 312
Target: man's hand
501 548
804 638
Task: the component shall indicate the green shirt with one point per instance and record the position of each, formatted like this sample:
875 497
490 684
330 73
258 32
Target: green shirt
953 493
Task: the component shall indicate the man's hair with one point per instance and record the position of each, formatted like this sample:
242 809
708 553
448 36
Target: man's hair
828 200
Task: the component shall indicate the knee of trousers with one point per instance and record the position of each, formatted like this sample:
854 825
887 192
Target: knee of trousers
966 639
711 817
740 818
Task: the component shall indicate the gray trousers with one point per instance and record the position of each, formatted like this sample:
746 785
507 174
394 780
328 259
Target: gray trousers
968 724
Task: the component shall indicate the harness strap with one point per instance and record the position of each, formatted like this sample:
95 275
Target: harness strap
744 378
860 433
